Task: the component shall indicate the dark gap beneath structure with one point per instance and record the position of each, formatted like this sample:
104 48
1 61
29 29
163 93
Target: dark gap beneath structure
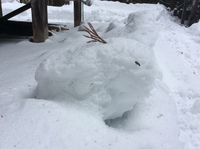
20 28
119 122
16 28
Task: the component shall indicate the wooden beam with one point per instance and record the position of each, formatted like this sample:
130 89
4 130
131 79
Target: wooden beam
1 13
77 12
39 20
17 11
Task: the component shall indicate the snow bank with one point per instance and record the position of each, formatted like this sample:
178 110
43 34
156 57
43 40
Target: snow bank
113 76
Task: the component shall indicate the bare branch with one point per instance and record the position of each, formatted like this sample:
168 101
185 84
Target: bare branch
93 34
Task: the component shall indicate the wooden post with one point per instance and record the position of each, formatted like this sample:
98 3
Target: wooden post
16 12
193 12
1 14
77 12
184 11
39 20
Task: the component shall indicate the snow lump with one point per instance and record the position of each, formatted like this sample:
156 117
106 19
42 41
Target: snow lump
112 77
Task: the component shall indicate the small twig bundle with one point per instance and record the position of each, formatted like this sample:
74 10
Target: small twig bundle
93 34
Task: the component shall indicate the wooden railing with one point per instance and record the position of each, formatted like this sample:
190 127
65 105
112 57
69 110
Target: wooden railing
39 17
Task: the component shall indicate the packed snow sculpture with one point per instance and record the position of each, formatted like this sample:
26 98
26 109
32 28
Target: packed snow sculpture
112 77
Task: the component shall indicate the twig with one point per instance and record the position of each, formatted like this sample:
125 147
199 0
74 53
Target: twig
93 34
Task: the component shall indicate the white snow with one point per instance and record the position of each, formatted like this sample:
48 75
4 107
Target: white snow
140 90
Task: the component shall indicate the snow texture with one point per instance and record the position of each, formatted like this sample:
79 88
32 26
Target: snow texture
140 90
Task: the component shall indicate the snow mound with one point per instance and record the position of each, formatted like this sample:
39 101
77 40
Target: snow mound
195 27
113 76
139 26
143 19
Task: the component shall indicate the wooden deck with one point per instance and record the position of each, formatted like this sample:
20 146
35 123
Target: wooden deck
38 28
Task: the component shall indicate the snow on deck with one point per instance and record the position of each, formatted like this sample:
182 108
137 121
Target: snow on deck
165 116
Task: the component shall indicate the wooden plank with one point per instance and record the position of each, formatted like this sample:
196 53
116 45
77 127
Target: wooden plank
39 20
17 11
1 13
77 12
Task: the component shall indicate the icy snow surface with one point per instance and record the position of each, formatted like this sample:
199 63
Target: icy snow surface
138 91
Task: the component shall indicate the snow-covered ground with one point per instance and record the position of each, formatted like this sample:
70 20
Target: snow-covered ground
138 91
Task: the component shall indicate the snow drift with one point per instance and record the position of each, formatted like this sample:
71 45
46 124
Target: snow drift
113 76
